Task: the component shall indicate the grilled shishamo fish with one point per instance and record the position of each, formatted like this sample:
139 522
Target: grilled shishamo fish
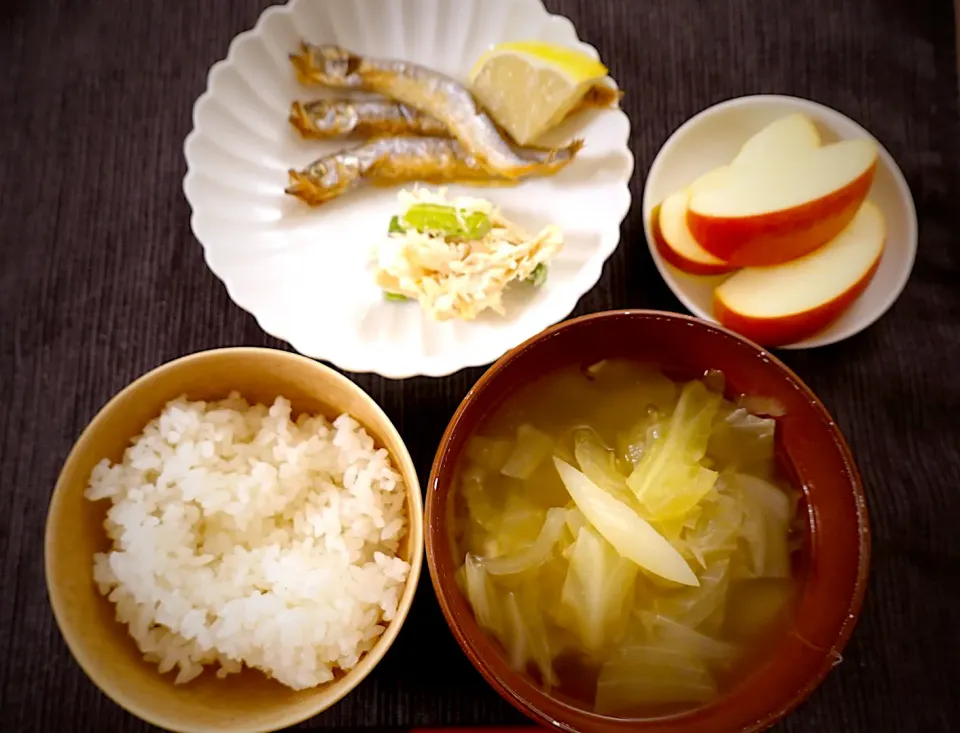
384 161
322 119
433 94
326 118
392 160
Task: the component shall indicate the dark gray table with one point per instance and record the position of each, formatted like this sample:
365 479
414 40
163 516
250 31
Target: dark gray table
100 280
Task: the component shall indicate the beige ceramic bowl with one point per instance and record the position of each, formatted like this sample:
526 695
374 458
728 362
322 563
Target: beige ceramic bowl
713 137
248 702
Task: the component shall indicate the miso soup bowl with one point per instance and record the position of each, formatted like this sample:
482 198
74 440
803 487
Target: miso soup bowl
812 451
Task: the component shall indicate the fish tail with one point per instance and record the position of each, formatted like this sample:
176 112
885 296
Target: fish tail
559 157
575 147
602 95
541 163
562 155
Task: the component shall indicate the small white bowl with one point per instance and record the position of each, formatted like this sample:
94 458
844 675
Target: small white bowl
714 136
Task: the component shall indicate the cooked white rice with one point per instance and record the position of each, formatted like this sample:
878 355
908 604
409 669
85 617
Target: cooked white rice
241 537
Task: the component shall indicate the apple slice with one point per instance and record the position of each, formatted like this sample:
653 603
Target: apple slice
672 237
768 214
789 302
781 141
789 137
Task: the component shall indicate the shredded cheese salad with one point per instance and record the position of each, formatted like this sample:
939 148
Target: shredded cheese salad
457 256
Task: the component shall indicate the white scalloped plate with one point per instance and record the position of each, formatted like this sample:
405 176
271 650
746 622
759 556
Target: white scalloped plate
713 137
304 273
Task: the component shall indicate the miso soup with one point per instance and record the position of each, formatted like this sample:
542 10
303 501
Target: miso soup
627 537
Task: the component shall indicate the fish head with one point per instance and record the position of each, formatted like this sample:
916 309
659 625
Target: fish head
323 118
311 191
328 64
326 178
301 120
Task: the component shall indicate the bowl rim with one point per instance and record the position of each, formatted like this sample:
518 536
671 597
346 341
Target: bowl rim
821 113
72 636
432 526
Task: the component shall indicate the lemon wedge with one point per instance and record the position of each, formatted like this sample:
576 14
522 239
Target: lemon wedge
528 87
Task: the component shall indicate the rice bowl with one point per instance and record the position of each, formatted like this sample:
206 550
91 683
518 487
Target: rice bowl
250 701
243 537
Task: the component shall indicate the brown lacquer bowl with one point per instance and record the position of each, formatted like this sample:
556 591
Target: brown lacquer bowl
248 702
811 449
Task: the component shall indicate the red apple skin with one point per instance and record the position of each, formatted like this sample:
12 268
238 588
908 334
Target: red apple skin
785 330
780 236
691 267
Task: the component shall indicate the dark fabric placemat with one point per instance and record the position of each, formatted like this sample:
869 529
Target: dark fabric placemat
101 280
